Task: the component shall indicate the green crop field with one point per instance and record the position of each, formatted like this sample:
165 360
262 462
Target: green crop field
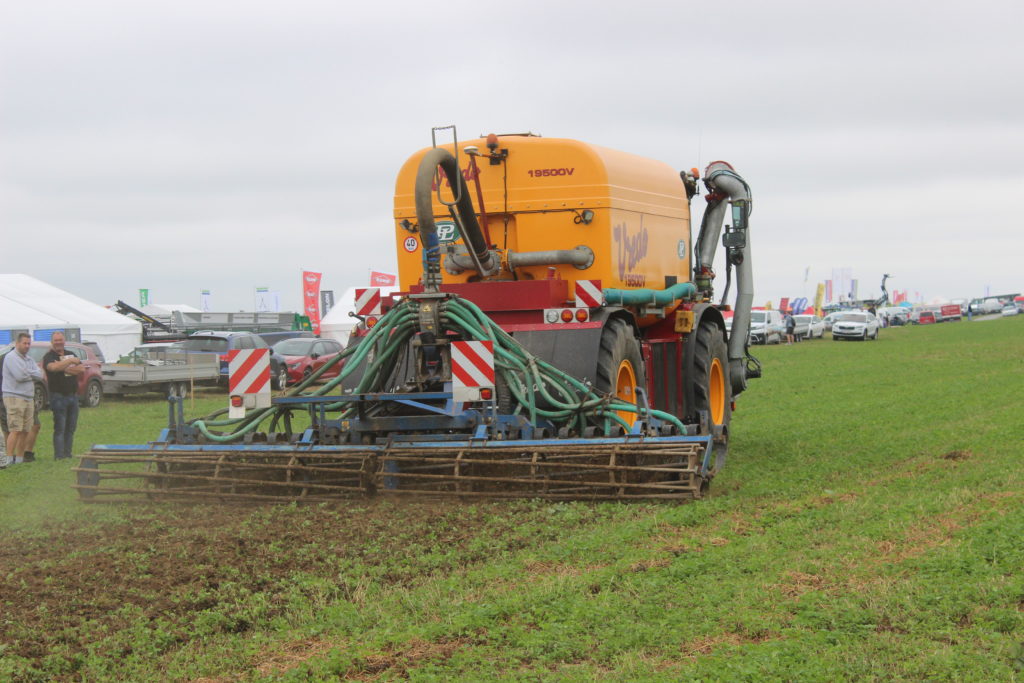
867 526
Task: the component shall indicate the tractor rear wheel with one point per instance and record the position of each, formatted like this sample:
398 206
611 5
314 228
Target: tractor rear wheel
709 376
620 367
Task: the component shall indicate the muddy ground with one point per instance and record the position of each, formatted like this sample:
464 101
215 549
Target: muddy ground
73 585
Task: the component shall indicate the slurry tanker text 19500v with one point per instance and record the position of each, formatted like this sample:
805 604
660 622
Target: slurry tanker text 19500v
555 336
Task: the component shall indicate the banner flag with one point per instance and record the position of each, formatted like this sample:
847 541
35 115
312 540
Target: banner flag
267 301
853 290
378 279
819 299
311 298
784 304
326 301
204 300
828 291
143 297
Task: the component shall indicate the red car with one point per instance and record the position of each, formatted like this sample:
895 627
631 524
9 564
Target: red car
305 355
90 382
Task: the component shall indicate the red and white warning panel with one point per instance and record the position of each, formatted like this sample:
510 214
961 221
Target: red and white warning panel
472 370
368 301
589 294
248 380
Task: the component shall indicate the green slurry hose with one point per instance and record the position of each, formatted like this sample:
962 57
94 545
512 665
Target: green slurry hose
538 389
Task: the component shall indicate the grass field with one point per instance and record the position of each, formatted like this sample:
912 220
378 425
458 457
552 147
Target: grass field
868 526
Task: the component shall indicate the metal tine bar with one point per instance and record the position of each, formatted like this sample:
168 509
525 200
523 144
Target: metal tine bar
515 480
319 467
547 496
231 480
200 494
664 467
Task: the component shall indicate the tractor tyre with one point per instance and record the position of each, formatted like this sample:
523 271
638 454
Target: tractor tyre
620 367
709 376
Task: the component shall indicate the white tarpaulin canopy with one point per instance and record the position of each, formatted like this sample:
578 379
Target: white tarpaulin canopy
338 324
166 310
30 304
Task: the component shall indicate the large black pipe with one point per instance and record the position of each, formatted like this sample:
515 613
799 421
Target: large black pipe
470 228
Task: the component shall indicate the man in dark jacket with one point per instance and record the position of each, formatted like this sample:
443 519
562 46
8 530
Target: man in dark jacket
62 371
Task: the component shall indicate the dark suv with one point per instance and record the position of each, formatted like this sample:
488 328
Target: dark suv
222 342
90 382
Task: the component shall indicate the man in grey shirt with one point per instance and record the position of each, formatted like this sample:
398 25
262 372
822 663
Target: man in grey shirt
19 377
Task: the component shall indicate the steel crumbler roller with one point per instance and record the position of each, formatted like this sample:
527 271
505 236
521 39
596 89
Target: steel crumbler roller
613 376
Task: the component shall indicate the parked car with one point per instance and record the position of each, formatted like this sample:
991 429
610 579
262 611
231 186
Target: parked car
855 325
828 320
810 326
95 349
148 353
766 326
222 342
273 338
923 317
1009 309
90 382
304 356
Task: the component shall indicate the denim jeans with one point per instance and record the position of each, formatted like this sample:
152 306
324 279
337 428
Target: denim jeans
65 420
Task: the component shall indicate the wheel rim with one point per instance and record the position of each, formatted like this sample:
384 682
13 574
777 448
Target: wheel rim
625 388
716 391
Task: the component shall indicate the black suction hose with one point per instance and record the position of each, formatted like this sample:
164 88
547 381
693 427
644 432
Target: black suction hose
471 232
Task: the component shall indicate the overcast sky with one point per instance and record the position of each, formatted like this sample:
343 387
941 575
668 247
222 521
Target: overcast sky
184 145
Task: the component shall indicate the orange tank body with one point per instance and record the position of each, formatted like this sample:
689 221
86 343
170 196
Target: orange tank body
535 200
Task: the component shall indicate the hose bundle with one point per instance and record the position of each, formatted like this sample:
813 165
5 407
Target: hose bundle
538 390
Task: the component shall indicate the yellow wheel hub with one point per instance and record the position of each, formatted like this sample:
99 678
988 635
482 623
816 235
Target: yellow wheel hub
625 388
716 391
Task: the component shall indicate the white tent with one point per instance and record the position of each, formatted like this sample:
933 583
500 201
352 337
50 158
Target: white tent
28 303
338 324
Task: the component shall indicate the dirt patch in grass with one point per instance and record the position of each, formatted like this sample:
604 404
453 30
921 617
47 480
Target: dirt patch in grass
708 644
184 573
796 583
958 455
396 662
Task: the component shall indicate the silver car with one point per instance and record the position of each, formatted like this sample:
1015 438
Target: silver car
811 326
855 325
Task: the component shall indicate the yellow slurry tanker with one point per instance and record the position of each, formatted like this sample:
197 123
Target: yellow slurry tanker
555 336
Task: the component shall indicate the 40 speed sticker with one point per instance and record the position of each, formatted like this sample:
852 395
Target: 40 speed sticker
411 244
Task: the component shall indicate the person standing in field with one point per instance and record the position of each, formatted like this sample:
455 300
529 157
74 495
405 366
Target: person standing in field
20 374
790 327
62 371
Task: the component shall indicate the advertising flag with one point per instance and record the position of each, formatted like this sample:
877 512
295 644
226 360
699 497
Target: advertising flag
204 300
311 298
828 291
143 297
819 298
267 301
784 304
382 279
326 301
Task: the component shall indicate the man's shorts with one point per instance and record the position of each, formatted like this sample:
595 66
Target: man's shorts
20 413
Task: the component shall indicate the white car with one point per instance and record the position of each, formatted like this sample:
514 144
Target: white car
1009 309
811 326
766 326
855 325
